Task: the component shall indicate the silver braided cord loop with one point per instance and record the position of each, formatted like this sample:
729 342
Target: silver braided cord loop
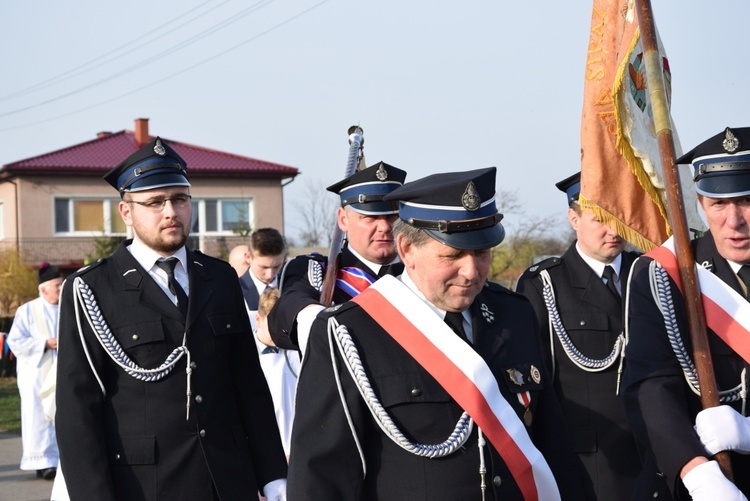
659 280
112 347
578 358
315 274
353 363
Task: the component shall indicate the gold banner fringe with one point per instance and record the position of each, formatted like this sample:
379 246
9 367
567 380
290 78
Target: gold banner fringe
616 224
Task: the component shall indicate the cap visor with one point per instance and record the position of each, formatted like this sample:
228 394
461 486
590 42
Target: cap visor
375 208
724 185
486 238
158 180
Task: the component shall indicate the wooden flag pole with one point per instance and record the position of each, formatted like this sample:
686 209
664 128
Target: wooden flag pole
676 211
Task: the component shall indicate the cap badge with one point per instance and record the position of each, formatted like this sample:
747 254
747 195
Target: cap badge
515 377
536 376
730 143
470 199
159 148
489 317
381 173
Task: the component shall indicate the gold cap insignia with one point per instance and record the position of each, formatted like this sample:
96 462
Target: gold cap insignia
159 148
381 173
470 199
731 143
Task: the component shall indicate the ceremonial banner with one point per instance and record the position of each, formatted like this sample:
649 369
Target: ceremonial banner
621 173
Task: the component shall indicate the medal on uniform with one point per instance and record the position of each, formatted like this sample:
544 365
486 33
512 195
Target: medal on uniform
525 398
515 376
536 376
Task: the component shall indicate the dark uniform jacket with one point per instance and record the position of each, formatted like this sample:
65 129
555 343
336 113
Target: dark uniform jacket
135 443
593 319
325 463
658 401
249 291
297 292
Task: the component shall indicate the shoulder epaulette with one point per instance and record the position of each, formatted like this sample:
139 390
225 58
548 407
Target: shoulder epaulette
339 308
85 269
496 287
317 256
536 268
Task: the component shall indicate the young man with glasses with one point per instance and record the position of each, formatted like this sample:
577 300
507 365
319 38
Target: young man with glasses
161 394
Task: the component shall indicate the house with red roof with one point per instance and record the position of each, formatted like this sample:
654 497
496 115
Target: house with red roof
56 207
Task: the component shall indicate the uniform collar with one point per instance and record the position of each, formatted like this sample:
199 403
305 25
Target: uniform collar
373 266
260 286
147 256
598 266
407 281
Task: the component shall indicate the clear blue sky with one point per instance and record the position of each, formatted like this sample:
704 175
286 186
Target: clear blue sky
436 85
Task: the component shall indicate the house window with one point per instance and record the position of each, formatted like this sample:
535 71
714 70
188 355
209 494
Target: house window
90 216
222 217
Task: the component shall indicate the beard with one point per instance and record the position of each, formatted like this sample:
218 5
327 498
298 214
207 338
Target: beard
161 244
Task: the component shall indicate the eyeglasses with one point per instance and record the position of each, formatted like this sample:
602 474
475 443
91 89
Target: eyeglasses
157 205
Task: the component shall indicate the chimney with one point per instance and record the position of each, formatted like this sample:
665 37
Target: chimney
141 132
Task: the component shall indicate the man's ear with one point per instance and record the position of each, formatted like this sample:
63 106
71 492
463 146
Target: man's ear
573 217
342 218
404 250
125 212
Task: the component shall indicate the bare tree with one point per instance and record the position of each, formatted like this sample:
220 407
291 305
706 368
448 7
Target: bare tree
527 239
317 215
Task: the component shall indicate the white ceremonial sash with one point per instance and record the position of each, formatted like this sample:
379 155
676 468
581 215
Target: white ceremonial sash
464 375
727 311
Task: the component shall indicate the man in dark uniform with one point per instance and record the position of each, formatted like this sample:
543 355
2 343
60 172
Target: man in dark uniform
265 256
160 394
659 386
367 254
412 408
577 300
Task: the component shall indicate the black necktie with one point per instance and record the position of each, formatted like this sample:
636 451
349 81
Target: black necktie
744 274
174 286
609 274
384 270
455 321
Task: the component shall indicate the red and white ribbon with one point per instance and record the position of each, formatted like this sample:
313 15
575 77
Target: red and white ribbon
727 311
464 375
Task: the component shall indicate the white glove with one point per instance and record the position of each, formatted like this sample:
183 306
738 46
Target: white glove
276 490
723 429
706 482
